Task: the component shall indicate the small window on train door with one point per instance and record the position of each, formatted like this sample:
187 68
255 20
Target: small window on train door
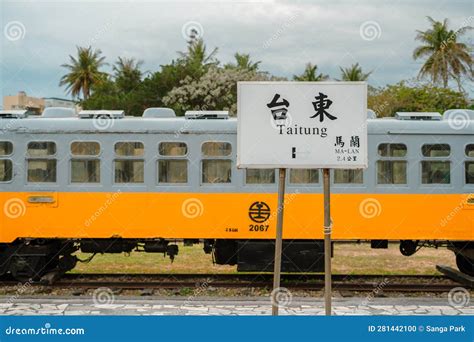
348 176
41 162
6 165
304 176
260 176
436 150
129 168
85 164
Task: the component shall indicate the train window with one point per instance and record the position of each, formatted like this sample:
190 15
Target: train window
129 171
469 172
172 171
436 150
435 172
392 150
85 148
216 149
6 148
42 170
41 148
85 171
260 176
304 176
41 165
470 150
391 172
216 171
129 149
348 176
6 170
172 149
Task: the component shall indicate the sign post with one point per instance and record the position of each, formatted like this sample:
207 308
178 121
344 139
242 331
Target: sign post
278 241
302 125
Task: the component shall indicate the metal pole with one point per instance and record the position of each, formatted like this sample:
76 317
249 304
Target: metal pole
327 241
278 241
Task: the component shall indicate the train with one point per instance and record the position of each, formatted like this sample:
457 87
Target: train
98 181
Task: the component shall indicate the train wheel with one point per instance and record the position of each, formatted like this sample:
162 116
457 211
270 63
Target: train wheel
465 265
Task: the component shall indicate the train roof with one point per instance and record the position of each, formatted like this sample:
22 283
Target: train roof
455 121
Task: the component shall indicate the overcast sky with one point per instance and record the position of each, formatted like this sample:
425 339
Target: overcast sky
38 36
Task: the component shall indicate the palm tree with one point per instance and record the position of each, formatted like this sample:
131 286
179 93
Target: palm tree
83 72
354 73
445 56
311 74
127 73
243 61
196 57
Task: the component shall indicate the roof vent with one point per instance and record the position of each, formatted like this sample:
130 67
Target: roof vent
459 115
159 112
428 116
208 114
13 114
371 114
59 112
90 114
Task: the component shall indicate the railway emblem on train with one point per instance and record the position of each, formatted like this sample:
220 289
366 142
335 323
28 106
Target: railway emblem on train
259 212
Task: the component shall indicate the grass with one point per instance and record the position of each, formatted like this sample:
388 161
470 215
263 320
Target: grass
348 258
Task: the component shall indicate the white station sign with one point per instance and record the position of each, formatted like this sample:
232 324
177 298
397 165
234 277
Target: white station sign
302 125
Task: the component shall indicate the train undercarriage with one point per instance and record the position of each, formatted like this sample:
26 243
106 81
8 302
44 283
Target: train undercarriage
37 259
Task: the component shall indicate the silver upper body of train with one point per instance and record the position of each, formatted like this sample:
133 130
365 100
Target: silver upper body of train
164 120
455 129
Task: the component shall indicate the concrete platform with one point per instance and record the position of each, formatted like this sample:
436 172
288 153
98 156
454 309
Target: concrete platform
226 306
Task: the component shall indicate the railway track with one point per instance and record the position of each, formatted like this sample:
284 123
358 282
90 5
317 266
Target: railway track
314 282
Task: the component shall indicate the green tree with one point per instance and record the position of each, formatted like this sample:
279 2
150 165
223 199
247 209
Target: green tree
402 97
445 56
127 73
354 73
83 72
196 59
243 61
311 74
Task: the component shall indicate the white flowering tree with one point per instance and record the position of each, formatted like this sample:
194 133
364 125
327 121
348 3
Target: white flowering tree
215 90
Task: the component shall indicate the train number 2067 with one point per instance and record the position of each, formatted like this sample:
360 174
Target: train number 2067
258 227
